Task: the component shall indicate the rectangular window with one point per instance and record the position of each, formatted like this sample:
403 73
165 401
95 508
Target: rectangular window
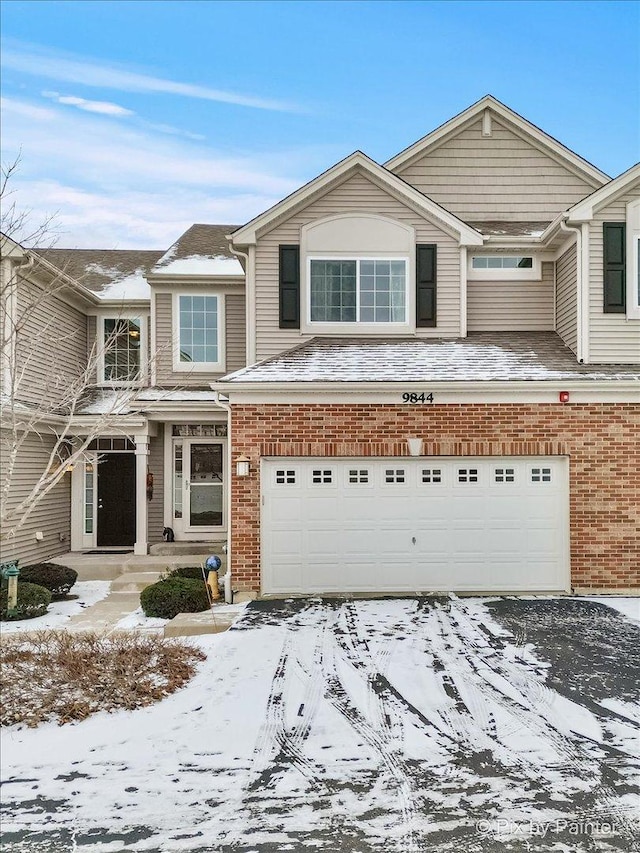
177 480
358 475
502 262
358 291
121 341
199 329
89 493
505 267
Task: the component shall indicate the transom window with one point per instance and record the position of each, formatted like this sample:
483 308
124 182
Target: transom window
361 290
199 330
121 339
502 262
503 266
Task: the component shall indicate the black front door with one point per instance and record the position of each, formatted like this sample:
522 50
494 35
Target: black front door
116 499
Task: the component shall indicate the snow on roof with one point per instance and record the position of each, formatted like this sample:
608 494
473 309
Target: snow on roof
480 357
199 265
184 395
132 286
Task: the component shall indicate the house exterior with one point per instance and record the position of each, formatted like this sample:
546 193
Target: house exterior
416 376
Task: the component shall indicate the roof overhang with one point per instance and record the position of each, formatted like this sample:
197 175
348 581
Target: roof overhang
585 209
248 234
518 122
450 392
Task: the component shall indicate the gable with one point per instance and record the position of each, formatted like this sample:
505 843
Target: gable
490 170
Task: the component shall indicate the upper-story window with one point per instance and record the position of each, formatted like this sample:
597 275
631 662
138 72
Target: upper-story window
502 266
199 332
122 344
358 290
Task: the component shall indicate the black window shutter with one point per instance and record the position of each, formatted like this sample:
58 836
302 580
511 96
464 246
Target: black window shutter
289 287
614 249
426 282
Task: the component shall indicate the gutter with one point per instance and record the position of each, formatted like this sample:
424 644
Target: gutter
228 592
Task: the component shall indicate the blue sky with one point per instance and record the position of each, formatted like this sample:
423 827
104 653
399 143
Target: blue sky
136 119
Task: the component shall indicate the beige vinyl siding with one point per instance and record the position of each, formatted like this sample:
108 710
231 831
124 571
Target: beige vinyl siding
567 298
358 194
235 338
92 345
613 338
155 507
497 177
511 306
52 515
51 344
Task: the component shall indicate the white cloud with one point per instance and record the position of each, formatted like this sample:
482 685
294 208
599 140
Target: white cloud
40 62
106 108
118 186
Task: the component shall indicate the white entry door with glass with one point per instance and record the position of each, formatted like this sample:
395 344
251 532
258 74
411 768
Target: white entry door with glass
198 485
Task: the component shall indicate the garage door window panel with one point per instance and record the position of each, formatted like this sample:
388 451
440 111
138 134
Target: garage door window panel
358 477
432 475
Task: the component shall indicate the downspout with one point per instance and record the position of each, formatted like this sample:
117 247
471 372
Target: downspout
581 308
228 592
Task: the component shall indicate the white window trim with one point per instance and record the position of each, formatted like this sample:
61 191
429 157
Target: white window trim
316 326
532 274
144 348
199 366
633 239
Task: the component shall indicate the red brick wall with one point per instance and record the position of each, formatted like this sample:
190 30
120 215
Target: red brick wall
602 441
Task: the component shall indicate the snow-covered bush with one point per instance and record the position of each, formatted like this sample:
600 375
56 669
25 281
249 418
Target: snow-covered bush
33 601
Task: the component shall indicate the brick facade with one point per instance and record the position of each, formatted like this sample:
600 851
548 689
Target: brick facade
601 440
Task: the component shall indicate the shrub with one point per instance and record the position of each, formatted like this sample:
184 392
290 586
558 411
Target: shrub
57 579
193 572
33 601
72 675
174 595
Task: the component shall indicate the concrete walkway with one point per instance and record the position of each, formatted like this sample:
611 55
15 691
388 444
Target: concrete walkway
129 575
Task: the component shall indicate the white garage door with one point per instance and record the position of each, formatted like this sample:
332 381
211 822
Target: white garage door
415 524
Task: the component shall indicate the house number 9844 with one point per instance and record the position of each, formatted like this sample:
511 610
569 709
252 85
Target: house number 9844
417 398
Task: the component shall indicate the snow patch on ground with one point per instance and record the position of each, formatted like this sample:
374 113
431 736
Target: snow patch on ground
629 607
59 612
390 725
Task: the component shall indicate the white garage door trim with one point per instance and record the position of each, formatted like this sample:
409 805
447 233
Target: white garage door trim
406 524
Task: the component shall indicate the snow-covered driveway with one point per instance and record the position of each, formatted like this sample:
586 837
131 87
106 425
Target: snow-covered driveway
359 726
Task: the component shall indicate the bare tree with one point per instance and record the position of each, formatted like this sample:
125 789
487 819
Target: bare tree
49 376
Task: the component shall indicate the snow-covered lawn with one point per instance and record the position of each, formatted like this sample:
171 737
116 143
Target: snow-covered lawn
391 726
84 594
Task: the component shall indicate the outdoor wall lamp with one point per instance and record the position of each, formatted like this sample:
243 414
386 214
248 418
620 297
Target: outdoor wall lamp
415 446
242 466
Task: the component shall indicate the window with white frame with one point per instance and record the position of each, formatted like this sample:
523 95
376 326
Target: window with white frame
503 266
633 259
120 354
358 290
198 331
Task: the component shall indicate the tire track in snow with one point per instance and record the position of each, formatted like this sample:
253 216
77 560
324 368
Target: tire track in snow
463 631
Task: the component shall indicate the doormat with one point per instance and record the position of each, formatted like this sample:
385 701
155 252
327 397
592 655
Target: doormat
110 551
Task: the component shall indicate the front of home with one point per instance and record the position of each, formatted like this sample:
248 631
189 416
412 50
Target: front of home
412 377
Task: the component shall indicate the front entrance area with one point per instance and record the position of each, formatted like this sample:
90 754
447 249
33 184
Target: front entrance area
195 494
116 507
203 485
415 524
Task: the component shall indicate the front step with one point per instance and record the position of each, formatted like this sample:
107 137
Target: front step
171 549
193 624
135 581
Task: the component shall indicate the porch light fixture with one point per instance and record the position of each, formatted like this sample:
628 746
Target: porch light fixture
242 466
415 446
